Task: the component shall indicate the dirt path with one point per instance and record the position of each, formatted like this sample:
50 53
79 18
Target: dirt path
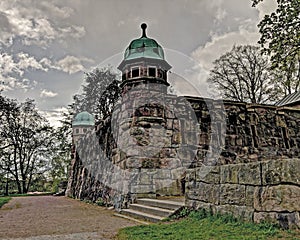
48 217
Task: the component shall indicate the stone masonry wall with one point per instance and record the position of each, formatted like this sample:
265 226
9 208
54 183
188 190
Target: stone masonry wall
233 157
257 176
256 191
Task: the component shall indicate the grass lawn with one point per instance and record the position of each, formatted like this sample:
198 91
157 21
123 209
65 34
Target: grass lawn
200 225
4 200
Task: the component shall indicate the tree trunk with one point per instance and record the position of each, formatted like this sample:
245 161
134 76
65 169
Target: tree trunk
6 185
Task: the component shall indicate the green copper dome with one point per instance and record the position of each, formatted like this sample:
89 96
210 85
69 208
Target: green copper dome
84 119
144 47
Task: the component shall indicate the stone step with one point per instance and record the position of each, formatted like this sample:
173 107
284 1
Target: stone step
167 204
162 212
142 215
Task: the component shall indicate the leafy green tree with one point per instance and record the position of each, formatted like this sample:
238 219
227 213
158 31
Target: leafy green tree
100 93
61 158
242 75
26 142
280 39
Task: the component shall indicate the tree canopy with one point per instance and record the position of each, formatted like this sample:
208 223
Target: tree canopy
280 39
100 93
26 140
242 75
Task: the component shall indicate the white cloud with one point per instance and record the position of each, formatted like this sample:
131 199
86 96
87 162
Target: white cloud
28 62
36 22
54 116
72 64
48 94
266 7
222 43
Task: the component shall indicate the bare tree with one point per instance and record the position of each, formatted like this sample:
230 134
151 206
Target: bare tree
242 75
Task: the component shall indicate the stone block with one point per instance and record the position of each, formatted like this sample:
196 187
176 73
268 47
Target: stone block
197 205
242 212
229 173
168 187
207 192
142 189
208 174
232 194
176 138
145 178
133 163
162 174
291 171
170 163
277 198
249 200
178 173
249 174
271 172
285 220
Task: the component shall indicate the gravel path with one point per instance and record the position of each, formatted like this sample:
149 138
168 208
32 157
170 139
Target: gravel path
57 218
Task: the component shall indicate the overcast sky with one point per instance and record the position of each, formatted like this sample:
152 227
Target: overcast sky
47 45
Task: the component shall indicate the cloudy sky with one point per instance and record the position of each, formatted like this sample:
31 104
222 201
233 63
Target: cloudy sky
47 45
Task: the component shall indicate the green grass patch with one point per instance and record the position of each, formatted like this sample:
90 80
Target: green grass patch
202 225
4 200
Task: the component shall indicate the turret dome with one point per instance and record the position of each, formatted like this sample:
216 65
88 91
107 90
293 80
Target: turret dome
84 119
144 47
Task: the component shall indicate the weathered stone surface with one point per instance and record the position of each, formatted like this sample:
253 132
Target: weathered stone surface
229 173
194 204
232 194
249 200
168 187
291 171
205 192
258 167
208 174
277 171
277 198
249 174
243 212
285 220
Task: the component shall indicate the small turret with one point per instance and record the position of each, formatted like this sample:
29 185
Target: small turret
144 62
81 123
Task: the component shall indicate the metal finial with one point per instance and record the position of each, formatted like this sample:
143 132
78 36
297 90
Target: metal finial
144 26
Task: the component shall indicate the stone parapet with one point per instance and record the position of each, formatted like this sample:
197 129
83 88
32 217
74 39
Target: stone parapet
259 191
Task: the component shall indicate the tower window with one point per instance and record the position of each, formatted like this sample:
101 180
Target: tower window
152 71
135 72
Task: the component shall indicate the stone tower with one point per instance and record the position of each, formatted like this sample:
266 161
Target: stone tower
144 62
144 124
82 122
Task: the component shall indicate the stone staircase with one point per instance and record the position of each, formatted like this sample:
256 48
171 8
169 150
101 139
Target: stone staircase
153 210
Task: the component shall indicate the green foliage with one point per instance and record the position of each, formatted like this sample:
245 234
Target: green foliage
203 225
183 212
100 202
26 141
280 39
100 93
4 200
